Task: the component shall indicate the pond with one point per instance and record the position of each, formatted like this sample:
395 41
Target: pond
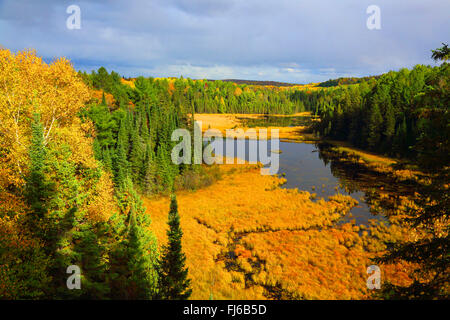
305 168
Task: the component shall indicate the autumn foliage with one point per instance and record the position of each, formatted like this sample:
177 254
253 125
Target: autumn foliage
29 86
273 243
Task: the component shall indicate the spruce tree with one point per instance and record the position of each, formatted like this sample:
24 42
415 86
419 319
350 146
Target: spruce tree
106 158
134 258
429 252
38 189
90 252
73 238
389 130
103 99
148 171
174 284
136 154
141 282
375 122
120 165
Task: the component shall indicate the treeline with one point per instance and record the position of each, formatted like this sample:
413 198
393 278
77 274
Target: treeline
390 115
133 134
261 83
73 227
344 81
429 214
200 96
405 114
134 143
227 97
387 114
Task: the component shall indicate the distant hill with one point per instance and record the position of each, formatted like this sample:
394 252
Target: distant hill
325 84
329 83
344 81
262 83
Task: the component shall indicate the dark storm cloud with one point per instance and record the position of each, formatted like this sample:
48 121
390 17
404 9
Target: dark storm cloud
296 40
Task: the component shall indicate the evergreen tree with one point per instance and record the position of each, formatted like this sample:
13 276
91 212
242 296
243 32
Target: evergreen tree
400 137
148 171
429 252
68 236
141 283
389 130
134 258
103 99
375 122
120 165
136 155
90 253
174 283
38 189
73 238
106 158
441 53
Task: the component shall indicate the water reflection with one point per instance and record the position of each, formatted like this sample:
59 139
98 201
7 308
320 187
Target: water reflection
311 167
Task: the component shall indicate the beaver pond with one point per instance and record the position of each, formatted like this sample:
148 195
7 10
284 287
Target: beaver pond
311 167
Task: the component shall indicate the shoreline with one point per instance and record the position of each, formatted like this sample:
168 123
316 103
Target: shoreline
224 122
294 134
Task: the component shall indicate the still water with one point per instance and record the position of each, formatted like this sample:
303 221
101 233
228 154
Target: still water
304 169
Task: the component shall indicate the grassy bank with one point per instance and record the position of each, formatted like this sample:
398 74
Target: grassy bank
269 243
222 122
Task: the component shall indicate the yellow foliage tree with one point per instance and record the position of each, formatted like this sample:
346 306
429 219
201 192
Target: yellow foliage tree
28 85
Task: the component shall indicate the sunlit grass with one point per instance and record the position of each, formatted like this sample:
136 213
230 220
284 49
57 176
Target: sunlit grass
246 238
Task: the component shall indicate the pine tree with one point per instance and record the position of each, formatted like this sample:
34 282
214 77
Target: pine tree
120 165
134 259
428 252
103 99
389 130
375 122
174 284
136 155
91 251
165 168
106 158
148 171
38 189
400 137
98 154
141 282
35 278
72 237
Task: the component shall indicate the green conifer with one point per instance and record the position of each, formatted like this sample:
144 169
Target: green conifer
173 274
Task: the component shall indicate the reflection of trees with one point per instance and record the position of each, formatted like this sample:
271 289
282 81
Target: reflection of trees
354 177
427 218
429 249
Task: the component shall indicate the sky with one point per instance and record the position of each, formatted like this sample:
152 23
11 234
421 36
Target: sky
297 41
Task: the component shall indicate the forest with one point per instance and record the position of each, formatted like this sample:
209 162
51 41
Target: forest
201 96
69 187
82 152
397 114
394 113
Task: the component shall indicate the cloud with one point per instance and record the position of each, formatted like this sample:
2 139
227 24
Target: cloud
284 40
